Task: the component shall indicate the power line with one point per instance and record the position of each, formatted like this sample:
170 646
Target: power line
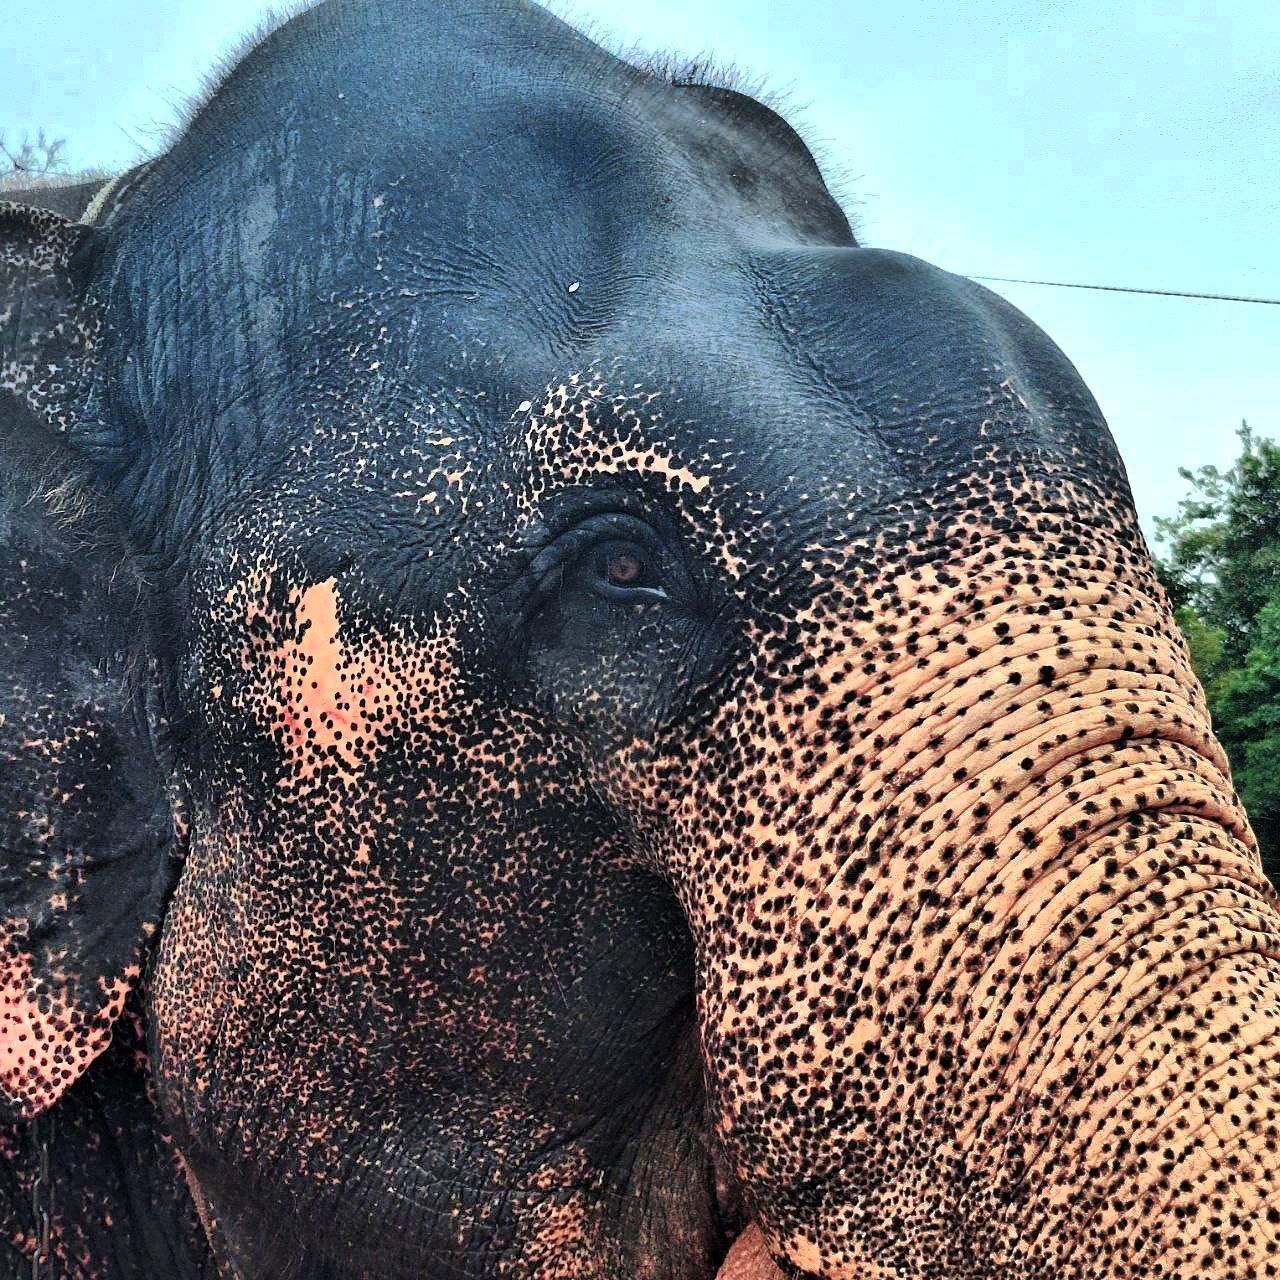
1119 288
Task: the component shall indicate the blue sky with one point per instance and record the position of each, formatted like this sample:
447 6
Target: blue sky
1106 141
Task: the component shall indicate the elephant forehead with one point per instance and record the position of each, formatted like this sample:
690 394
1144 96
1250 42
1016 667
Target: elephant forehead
449 190
495 110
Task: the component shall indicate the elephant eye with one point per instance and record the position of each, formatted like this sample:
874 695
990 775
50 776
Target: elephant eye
626 571
611 556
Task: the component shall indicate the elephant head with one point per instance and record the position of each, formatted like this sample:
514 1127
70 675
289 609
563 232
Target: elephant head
647 723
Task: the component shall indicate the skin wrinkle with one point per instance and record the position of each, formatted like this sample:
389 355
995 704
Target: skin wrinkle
1258 1207
893 675
1088 1021
1226 953
1202 1156
1069 989
938 814
942 814
1117 1109
1194 1085
1090 881
1087 812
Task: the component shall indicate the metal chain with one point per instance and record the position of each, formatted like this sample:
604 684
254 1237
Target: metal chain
42 1133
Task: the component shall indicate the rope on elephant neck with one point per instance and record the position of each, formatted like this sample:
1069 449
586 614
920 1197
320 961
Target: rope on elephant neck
1120 288
42 1132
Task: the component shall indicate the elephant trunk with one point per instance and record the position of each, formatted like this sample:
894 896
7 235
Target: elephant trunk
990 974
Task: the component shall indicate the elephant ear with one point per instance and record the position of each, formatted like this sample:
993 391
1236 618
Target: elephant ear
47 330
86 830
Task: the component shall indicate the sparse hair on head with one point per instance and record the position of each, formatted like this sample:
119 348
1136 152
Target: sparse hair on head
672 66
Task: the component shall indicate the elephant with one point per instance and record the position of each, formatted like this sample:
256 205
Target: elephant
561 717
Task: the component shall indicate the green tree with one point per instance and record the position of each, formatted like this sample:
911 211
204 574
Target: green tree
1246 714
1222 572
1224 553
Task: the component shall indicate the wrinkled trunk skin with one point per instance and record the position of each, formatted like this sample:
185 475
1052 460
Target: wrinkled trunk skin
988 968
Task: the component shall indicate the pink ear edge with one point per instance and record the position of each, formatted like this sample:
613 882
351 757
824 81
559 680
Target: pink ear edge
47 1039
